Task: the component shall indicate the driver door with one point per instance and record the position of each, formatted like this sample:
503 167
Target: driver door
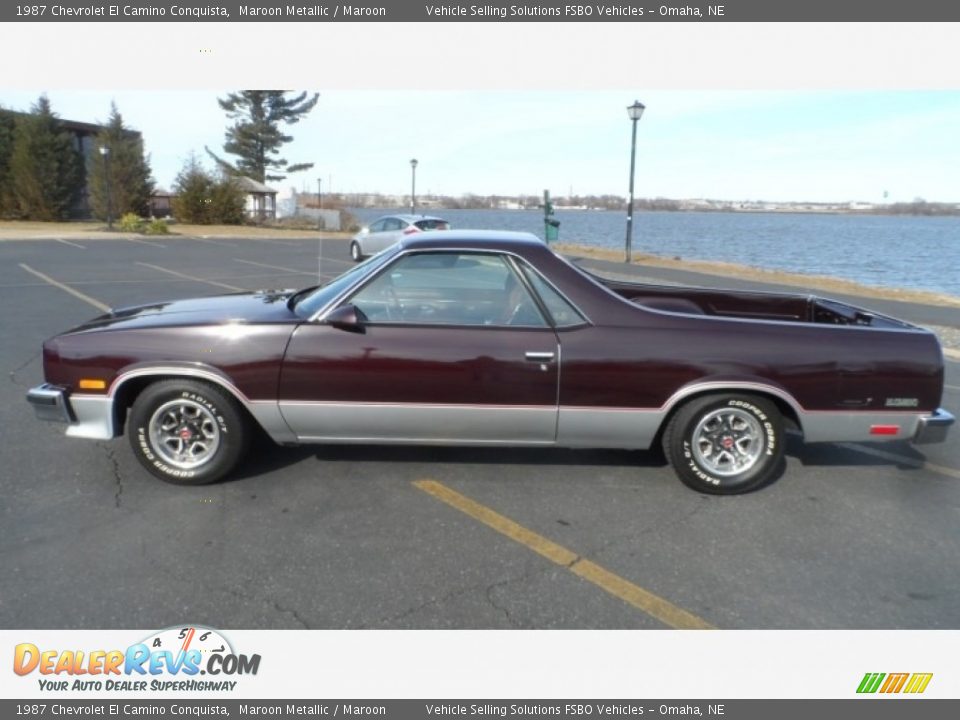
448 350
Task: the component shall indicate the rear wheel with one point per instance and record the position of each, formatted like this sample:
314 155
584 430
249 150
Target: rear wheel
186 432
725 444
355 251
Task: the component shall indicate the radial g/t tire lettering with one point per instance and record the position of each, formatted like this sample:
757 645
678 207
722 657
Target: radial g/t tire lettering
186 432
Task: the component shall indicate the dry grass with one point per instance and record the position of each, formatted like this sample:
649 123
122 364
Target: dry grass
778 277
26 230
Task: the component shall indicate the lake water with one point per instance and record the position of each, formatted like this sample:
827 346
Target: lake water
892 251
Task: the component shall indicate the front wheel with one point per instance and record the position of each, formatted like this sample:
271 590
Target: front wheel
186 432
725 444
355 252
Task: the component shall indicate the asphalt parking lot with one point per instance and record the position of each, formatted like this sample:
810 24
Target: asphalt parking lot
852 536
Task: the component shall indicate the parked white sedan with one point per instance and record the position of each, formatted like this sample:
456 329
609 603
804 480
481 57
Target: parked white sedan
387 230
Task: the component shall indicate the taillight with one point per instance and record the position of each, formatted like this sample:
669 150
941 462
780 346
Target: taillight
411 229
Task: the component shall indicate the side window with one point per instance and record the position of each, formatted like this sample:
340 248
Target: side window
392 224
474 289
564 314
377 226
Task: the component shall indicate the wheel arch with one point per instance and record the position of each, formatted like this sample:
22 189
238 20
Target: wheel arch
786 404
128 385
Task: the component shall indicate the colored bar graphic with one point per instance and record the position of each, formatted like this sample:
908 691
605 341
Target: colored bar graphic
918 682
870 682
895 682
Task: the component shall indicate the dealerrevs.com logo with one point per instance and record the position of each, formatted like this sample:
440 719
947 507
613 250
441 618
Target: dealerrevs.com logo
892 683
176 659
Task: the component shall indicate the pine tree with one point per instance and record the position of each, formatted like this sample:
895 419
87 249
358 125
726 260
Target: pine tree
203 199
124 171
255 136
6 152
192 193
228 202
45 167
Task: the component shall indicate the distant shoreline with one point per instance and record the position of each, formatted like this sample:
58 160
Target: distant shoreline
759 207
776 277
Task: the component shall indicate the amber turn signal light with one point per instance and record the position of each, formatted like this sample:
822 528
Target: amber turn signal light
93 384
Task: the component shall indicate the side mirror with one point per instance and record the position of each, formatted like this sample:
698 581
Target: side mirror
346 317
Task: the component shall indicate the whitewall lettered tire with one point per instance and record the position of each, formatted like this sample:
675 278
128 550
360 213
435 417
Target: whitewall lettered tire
725 444
187 432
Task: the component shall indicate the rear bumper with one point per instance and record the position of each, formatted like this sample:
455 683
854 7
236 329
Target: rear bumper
933 428
86 416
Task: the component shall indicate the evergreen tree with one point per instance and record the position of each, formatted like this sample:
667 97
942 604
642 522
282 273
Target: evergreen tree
7 124
125 171
228 202
255 136
45 167
192 193
203 199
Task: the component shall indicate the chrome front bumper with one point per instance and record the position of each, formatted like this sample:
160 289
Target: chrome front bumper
933 428
50 403
86 416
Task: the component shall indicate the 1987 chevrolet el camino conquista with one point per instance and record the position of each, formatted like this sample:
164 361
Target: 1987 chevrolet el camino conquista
489 338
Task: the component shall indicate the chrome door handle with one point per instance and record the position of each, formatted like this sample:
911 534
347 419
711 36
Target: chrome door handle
539 356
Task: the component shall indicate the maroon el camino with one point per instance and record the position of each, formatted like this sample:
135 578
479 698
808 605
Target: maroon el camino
489 338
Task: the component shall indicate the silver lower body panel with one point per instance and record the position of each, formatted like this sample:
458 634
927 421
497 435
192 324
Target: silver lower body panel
413 423
93 417
86 416
831 426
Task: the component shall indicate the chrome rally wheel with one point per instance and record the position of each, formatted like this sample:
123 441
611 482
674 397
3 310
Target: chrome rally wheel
725 444
184 433
187 432
728 441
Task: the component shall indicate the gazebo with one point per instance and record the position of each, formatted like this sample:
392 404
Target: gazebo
261 200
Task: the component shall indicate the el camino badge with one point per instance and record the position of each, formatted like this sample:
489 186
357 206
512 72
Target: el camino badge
902 403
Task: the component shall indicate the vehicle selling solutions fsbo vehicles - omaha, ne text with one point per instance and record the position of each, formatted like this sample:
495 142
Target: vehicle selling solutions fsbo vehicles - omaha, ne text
490 338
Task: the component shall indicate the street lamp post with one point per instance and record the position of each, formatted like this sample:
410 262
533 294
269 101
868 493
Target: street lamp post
319 204
635 112
413 186
105 151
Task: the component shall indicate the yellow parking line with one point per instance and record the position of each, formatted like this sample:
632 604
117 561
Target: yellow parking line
66 288
634 595
902 460
190 277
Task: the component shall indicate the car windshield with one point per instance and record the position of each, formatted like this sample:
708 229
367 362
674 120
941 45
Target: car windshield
307 306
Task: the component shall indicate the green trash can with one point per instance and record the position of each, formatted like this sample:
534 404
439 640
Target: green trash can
551 230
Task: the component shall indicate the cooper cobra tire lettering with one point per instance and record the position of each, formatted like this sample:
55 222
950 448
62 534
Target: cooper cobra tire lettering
208 420
725 444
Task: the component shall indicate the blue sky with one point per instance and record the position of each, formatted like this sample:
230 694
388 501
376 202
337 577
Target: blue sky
748 145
